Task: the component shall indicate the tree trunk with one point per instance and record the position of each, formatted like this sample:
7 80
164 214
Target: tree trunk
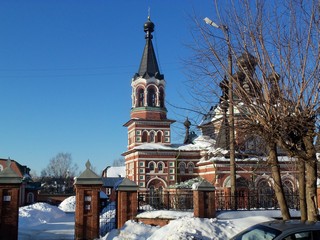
302 190
311 177
278 188
311 190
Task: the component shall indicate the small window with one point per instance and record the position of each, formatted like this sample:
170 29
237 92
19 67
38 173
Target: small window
140 97
160 167
151 97
190 168
30 198
144 136
152 138
161 97
182 168
141 164
159 137
171 164
151 166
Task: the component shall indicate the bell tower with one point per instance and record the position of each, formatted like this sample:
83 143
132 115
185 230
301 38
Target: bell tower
148 123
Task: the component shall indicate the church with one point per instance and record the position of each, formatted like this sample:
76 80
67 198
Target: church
154 163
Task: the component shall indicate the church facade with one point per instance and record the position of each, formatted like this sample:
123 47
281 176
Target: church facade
153 162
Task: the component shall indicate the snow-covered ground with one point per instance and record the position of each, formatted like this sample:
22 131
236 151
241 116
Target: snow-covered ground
43 221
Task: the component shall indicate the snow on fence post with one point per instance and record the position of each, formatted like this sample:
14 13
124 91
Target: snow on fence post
10 183
88 186
204 200
127 206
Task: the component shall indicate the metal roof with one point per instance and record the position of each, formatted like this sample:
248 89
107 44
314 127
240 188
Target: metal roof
149 65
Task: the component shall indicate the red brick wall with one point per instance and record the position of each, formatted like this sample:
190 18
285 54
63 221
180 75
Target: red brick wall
150 115
9 211
87 212
127 207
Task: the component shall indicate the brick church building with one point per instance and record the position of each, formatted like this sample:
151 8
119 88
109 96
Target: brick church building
154 163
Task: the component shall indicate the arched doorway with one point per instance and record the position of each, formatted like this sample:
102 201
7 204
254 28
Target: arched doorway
156 187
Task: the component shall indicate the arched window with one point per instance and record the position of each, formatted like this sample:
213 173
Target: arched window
288 189
140 97
144 136
151 166
190 168
159 137
161 97
152 137
30 198
151 97
265 194
182 168
160 167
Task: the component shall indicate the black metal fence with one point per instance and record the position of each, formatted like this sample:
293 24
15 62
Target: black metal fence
184 201
255 201
167 200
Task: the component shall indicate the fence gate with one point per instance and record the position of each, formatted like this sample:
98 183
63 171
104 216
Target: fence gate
108 218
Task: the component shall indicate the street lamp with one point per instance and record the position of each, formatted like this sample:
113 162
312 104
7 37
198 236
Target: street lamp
226 33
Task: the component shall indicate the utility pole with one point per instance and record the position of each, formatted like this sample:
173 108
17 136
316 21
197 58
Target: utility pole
226 33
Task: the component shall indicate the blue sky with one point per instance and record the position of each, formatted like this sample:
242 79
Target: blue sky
66 68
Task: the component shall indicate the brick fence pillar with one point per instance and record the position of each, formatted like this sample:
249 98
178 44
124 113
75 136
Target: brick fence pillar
127 192
87 214
10 184
204 200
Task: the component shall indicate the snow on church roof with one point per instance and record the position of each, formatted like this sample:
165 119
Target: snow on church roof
200 143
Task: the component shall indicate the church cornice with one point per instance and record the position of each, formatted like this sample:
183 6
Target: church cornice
164 122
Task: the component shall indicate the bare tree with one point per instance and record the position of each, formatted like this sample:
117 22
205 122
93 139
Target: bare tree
280 99
58 176
60 166
118 162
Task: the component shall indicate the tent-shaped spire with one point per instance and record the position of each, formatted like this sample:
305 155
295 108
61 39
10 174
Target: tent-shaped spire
149 65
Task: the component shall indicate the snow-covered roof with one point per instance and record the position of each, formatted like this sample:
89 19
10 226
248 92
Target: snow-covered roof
116 171
200 143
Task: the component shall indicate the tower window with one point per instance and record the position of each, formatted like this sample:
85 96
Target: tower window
161 98
151 166
140 97
144 137
159 137
151 97
152 138
160 167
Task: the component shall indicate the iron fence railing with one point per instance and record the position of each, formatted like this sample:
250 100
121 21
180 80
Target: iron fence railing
167 200
254 201
184 201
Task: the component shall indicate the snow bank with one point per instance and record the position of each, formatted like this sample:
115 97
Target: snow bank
165 214
38 213
68 205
